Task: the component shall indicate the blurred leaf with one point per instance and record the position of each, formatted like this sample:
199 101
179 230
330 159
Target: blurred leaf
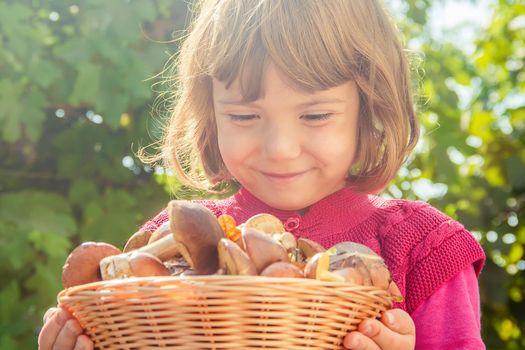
87 84
515 253
515 171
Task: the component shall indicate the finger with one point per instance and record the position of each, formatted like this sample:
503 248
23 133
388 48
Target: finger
68 335
399 321
52 328
49 313
384 337
83 343
358 341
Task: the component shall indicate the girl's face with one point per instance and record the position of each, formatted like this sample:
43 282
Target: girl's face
289 148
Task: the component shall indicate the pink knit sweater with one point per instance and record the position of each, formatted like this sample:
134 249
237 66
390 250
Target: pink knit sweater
422 247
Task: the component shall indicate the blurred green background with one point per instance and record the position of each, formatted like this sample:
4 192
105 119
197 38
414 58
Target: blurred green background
79 87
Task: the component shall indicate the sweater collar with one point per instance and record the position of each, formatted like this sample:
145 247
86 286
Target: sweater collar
340 210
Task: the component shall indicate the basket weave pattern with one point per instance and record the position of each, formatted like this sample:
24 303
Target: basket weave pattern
221 312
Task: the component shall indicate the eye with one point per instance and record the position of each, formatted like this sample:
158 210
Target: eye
317 117
243 117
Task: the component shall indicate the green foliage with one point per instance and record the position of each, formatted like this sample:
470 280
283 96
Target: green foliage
76 99
473 119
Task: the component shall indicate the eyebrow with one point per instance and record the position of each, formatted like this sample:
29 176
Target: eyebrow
315 101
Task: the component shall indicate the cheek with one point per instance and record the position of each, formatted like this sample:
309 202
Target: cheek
336 147
233 146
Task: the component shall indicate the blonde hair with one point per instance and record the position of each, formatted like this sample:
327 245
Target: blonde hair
316 45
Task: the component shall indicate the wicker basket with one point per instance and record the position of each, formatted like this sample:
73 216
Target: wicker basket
221 312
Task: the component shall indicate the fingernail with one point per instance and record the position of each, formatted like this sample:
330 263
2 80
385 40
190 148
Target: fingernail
71 325
61 317
49 313
352 343
390 318
368 330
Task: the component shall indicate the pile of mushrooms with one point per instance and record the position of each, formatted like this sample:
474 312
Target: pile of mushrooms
195 242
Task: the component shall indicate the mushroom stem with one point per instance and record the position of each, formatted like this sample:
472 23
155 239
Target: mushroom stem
163 249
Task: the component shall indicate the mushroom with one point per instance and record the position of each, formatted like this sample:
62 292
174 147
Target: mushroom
137 264
308 247
163 249
355 263
363 260
286 239
82 265
282 269
262 249
229 226
313 265
177 265
233 260
195 233
161 231
137 240
347 274
266 223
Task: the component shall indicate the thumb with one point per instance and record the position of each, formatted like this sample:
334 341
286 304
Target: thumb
399 321
49 313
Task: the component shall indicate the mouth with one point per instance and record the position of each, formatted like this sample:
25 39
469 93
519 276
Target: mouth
282 177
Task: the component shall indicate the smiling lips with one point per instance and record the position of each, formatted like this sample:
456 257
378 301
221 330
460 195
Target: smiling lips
283 177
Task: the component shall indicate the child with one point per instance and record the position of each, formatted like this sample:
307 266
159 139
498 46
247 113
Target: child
306 104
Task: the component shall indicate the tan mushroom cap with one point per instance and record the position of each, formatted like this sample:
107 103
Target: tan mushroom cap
266 223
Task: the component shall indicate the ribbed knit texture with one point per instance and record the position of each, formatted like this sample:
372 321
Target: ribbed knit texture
422 247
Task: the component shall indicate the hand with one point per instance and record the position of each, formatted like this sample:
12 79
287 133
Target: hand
61 331
395 330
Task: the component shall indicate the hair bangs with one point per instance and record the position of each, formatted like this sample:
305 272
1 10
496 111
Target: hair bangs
273 31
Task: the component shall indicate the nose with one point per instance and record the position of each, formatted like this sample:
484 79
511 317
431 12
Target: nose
281 142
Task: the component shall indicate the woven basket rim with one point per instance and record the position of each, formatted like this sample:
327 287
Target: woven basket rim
156 281
197 312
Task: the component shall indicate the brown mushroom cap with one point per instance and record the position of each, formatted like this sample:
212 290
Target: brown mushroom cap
309 247
82 265
144 264
282 269
137 240
262 249
196 232
233 260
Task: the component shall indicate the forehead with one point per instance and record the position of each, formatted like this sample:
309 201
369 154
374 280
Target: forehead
272 82
276 90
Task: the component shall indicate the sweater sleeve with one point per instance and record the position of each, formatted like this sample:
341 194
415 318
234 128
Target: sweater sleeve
424 248
458 327
152 224
443 252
